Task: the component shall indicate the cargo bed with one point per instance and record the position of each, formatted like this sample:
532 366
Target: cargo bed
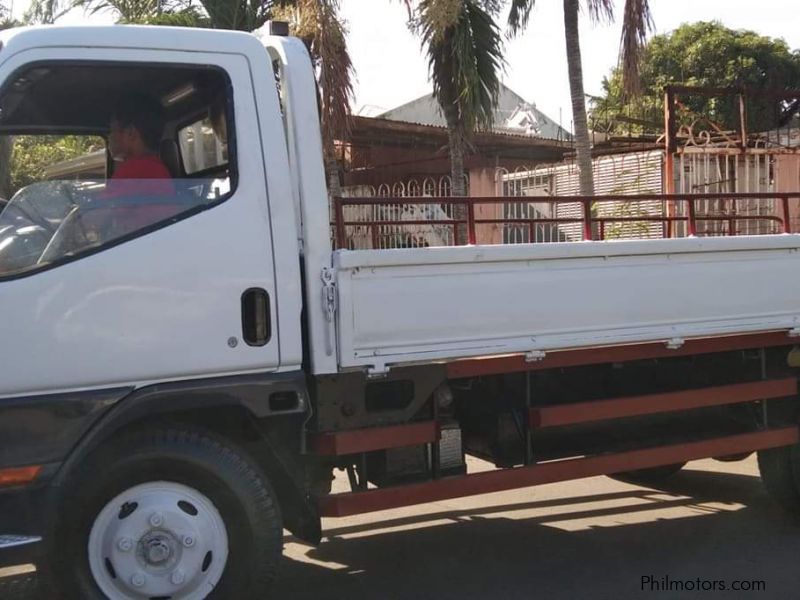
420 304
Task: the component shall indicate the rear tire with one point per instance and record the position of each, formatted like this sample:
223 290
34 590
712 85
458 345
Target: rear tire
651 475
185 480
780 473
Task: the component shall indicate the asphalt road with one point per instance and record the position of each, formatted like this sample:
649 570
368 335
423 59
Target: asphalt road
710 525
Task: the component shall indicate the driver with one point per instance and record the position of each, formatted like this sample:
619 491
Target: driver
134 136
140 176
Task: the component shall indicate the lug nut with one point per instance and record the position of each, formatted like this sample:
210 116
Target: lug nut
177 578
188 541
156 520
125 544
138 579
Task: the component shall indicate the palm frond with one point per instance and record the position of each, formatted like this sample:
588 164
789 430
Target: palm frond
336 72
600 11
436 17
465 60
243 15
637 21
46 11
318 24
519 15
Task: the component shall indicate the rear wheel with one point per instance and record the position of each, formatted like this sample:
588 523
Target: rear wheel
171 513
651 475
780 473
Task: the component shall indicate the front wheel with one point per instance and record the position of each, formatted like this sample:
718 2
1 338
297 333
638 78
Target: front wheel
170 513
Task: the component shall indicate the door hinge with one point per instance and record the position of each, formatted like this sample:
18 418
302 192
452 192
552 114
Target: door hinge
675 343
329 305
535 356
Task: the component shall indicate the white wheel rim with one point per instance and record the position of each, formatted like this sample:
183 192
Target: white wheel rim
158 539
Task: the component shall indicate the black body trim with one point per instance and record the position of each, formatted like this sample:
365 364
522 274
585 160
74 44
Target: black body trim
43 429
65 428
249 391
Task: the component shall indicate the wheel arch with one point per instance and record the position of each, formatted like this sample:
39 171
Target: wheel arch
243 410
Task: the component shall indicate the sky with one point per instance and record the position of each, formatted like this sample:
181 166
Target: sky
391 69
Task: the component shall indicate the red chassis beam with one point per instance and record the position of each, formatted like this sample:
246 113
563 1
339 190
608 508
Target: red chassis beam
601 410
352 503
339 443
516 363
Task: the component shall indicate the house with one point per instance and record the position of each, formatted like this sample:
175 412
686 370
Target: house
404 151
513 114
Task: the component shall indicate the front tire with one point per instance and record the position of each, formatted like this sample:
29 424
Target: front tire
168 512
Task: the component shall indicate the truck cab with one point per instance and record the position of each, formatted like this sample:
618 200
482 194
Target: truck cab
98 272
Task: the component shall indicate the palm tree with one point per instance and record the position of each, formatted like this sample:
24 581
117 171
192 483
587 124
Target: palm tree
636 22
243 15
465 56
317 23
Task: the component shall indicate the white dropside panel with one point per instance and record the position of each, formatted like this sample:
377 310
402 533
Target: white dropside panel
400 306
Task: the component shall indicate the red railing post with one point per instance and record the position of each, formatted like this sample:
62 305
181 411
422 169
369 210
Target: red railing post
338 212
587 219
470 222
691 223
375 237
787 224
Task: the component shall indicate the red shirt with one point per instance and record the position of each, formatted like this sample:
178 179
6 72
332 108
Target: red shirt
144 177
140 176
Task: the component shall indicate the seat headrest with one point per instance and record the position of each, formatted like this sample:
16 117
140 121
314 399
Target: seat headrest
168 152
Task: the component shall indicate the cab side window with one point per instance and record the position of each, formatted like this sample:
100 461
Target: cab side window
99 154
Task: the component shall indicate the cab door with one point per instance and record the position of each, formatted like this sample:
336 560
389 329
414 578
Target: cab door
189 293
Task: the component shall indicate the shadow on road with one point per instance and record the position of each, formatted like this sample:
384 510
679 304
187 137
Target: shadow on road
734 532
719 526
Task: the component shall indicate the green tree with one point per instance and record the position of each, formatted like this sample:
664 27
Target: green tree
636 22
465 57
6 141
32 154
704 54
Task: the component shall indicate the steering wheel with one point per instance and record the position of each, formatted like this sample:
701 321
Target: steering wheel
36 219
64 235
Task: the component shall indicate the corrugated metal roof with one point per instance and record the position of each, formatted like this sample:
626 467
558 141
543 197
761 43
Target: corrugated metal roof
426 111
363 124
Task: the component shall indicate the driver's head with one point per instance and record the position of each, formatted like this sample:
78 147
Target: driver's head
136 126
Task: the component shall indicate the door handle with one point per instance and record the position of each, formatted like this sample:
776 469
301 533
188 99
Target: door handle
256 319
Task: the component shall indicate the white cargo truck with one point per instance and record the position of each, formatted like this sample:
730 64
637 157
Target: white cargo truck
182 372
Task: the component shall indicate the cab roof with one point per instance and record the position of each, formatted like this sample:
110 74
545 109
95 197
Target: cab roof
146 37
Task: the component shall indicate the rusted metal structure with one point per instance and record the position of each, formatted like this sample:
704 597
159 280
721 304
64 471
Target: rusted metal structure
737 178
591 225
